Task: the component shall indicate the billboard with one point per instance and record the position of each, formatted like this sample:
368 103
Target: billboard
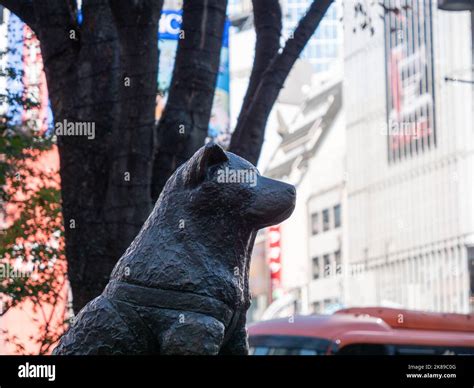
274 261
168 37
411 125
25 55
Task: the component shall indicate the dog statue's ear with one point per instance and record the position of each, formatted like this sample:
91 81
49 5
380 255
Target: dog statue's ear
209 155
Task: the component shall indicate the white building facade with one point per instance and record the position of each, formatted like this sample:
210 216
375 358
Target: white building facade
410 160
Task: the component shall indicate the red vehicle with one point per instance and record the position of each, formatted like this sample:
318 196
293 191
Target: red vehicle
365 331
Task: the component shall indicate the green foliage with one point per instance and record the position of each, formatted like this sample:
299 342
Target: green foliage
32 261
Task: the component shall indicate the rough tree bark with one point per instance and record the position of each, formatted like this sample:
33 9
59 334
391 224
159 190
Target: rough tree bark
268 24
184 125
248 136
85 67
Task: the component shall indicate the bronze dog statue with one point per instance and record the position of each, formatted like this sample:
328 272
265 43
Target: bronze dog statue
182 286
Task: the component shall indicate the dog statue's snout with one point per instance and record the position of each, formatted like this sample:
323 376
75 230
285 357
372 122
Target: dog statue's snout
289 193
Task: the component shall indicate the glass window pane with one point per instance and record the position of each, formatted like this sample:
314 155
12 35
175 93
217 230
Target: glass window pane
260 351
327 266
337 216
325 220
316 269
307 352
315 223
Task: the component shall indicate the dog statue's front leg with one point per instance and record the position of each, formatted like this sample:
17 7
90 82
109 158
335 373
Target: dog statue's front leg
237 344
192 334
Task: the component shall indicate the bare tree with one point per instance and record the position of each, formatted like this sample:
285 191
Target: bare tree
104 71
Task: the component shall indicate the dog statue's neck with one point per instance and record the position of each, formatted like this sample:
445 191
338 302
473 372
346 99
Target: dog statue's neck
179 249
211 236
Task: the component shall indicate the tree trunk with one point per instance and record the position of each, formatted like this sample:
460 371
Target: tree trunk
128 199
184 125
248 136
268 24
105 76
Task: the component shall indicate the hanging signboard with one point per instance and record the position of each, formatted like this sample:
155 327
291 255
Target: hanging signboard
410 83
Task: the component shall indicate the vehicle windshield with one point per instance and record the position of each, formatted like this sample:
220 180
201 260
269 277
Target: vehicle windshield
264 345
363 349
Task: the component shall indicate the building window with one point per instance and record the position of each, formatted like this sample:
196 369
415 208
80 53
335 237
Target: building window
316 307
337 260
314 223
327 266
327 303
316 268
326 225
337 216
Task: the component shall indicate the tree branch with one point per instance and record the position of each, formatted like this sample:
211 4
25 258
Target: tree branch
268 24
185 121
248 136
